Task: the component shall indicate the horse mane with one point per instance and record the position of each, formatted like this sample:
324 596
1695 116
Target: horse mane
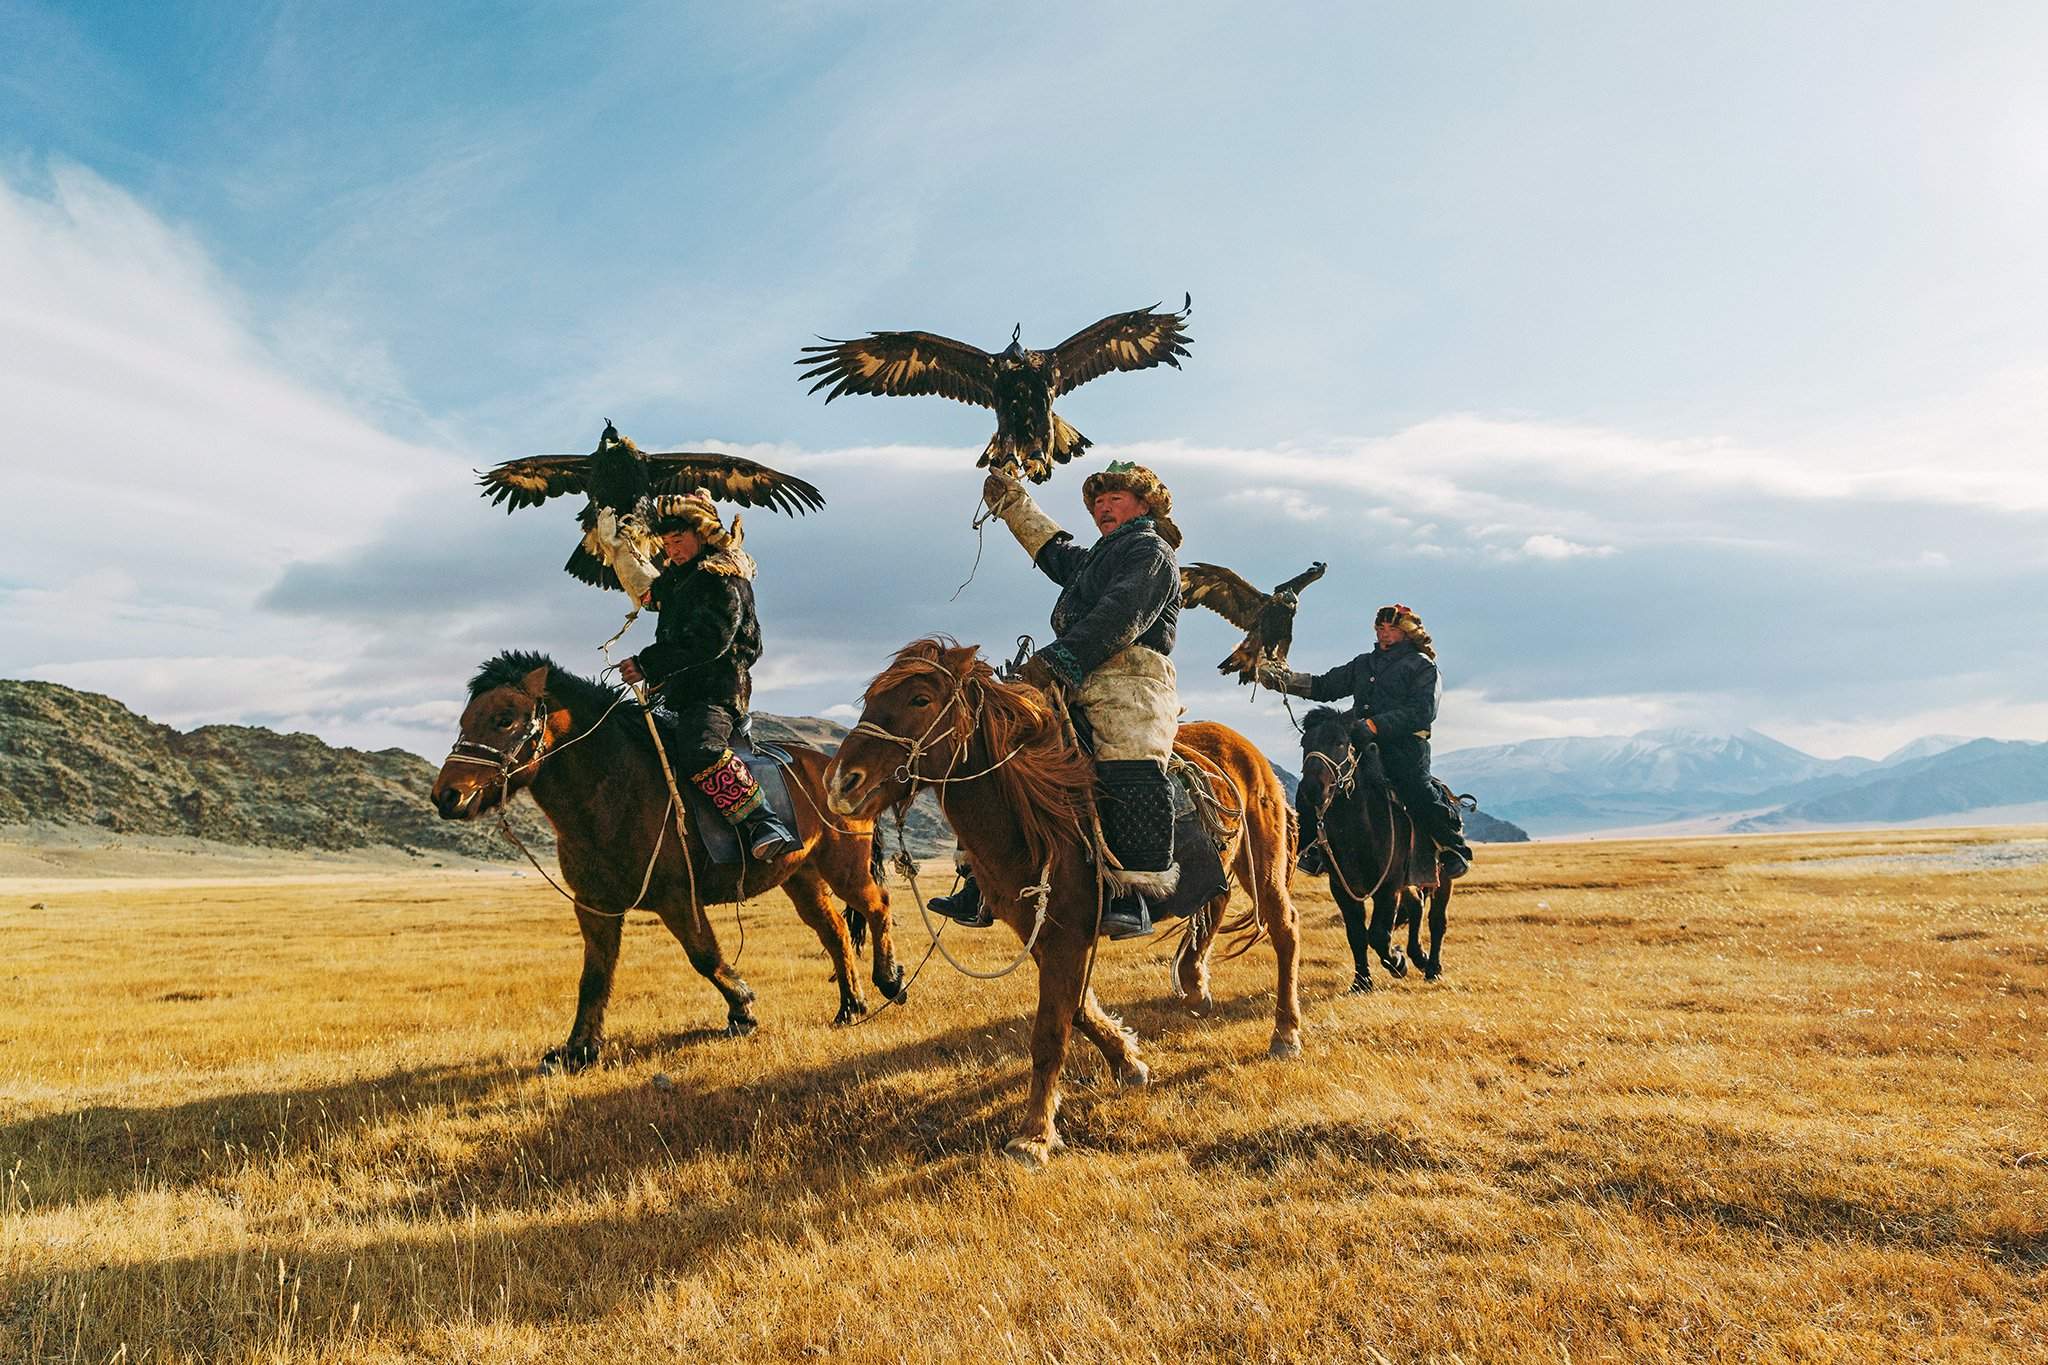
1048 783
586 698
1320 716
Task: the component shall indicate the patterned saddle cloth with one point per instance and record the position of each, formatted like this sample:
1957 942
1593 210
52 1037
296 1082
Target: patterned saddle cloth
769 763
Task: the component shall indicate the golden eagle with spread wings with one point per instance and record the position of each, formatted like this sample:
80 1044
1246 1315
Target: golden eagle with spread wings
1019 384
618 475
1268 617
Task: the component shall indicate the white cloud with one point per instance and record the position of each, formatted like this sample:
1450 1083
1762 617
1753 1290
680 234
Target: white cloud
1547 546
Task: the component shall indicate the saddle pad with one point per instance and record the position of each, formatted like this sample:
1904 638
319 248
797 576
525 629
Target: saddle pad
766 762
1201 872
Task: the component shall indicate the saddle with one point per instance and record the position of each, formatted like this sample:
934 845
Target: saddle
769 763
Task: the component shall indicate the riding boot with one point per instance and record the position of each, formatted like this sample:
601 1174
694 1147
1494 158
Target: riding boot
1312 860
1135 803
1447 827
964 906
739 798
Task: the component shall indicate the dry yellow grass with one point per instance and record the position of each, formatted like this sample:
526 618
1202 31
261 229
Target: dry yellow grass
1703 1100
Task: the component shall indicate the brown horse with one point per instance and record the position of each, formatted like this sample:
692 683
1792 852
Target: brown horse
1018 793
531 726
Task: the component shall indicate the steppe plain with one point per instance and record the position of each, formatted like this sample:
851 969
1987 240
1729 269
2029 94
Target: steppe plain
1733 1099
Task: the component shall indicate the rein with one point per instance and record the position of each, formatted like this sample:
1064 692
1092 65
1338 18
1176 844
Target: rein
1344 779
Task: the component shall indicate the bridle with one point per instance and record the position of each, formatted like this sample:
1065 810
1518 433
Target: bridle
1343 781
914 749
509 762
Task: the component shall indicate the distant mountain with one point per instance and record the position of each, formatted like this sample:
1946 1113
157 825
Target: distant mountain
1657 777
1480 827
1952 780
79 758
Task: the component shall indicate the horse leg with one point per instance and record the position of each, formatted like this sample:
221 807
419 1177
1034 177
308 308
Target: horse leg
849 870
806 891
1119 1045
1276 911
1411 911
593 993
692 929
1191 963
1384 902
1060 966
1357 936
1439 907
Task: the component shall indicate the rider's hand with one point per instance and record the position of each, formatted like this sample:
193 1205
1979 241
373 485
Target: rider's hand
998 488
629 669
1274 675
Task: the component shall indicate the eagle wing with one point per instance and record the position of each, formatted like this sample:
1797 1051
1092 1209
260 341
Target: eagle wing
1223 592
533 480
1136 340
731 478
900 363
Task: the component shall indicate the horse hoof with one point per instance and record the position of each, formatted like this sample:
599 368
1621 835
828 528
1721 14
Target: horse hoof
895 988
1136 1074
1360 985
1398 963
1431 973
740 1027
1202 1005
570 1057
848 1012
1030 1153
1284 1048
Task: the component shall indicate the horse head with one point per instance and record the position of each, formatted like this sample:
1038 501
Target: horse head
1335 748
916 723
508 727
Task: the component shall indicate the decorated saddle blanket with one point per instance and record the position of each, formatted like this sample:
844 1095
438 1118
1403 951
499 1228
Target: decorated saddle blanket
1202 877
769 764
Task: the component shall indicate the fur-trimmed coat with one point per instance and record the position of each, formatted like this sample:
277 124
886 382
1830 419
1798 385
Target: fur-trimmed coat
707 638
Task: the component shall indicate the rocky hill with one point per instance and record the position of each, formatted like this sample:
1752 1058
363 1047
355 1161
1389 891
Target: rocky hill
79 758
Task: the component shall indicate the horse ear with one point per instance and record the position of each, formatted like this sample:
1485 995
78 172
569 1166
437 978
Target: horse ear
535 684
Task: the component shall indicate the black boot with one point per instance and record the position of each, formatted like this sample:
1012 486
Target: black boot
1128 916
765 836
964 906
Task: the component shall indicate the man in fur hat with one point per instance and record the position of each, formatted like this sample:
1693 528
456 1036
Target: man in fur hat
1396 690
1113 628
706 641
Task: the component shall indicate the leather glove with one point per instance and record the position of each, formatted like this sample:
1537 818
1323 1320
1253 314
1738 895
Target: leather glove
1276 676
998 488
1036 671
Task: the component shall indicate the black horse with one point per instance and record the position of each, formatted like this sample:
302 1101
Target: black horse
1375 851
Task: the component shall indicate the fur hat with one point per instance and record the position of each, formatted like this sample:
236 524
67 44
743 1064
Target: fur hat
688 512
1410 626
1124 477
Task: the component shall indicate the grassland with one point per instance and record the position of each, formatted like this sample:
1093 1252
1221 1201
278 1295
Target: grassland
1715 1100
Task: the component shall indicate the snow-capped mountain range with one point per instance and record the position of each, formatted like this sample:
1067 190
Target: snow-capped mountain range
1741 781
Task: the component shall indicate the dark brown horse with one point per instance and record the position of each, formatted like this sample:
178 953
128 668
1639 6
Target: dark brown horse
583 750
1019 795
1373 848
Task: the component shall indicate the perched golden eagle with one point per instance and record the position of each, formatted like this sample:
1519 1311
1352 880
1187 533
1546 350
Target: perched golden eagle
1269 617
1019 384
618 475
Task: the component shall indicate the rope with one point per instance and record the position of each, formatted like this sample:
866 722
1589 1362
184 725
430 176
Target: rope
1042 890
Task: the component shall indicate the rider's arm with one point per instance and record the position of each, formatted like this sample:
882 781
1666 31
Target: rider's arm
1143 581
1335 685
1050 548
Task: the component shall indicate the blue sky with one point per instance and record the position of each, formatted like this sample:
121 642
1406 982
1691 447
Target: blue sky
1683 365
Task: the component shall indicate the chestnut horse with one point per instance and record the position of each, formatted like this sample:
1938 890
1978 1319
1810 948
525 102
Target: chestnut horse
1019 795
1371 845
531 726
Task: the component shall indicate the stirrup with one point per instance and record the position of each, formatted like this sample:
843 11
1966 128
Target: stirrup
964 906
1128 916
767 837
1454 862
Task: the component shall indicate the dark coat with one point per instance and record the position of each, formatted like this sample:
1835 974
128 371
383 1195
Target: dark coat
707 638
1122 590
1396 688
